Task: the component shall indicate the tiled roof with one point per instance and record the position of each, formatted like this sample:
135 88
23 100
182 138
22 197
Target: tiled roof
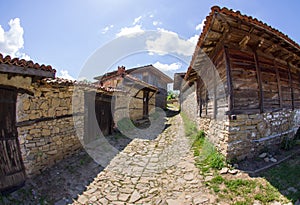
235 14
24 63
67 82
249 19
143 83
112 74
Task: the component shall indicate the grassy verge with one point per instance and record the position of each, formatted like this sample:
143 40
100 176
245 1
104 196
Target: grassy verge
285 177
208 158
235 189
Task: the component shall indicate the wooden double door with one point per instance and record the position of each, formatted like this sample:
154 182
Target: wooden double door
12 172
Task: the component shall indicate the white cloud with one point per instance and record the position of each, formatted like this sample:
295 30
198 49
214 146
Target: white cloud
151 15
200 25
155 23
107 28
130 31
194 39
169 42
65 74
137 20
167 67
12 41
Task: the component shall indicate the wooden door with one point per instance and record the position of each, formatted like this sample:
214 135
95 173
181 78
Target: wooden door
145 103
104 113
12 172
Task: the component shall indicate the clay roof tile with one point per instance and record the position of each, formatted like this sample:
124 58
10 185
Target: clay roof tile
23 63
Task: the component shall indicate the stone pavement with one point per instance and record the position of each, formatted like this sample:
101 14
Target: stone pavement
159 171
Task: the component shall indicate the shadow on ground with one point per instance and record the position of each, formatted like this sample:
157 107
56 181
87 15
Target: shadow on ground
58 184
285 177
67 179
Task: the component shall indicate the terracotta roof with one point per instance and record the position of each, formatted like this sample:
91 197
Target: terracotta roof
24 63
67 82
235 14
249 19
128 71
143 83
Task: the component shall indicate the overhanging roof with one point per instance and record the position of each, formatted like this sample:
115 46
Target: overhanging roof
228 26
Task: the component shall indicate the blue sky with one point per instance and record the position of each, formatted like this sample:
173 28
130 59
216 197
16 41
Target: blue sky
71 34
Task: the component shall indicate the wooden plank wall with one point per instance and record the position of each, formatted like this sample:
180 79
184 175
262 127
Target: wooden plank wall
212 96
261 84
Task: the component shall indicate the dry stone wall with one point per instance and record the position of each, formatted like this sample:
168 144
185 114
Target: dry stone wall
241 136
45 127
250 134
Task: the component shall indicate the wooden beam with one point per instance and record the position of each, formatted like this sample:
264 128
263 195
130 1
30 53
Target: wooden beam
278 85
229 80
244 41
6 68
259 81
291 85
279 45
270 49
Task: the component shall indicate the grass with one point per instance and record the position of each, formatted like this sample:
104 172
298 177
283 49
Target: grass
125 124
207 155
234 189
285 176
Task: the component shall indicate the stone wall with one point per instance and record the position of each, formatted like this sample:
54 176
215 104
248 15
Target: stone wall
189 105
130 105
250 134
45 127
240 136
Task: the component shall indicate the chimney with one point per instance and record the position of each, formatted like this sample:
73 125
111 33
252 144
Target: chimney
121 70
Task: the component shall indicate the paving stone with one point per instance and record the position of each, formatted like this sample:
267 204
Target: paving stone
134 197
103 201
174 202
82 199
224 170
124 197
188 176
200 200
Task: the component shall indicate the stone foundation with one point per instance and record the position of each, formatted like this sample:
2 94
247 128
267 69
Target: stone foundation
250 134
241 136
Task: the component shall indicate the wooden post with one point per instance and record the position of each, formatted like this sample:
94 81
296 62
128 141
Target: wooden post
258 73
215 95
278 85
229 80
291 85
199 86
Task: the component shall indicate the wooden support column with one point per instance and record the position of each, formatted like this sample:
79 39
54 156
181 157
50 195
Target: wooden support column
291 85
200 103
229 80
278 85
215 95
258 73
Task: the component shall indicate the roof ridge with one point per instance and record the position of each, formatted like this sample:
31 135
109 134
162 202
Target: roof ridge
244 17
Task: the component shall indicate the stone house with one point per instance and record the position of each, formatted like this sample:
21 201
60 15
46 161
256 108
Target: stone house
42 119
242 86
152 76
139 100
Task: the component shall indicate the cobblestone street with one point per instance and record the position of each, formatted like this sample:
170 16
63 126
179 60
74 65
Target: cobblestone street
159 171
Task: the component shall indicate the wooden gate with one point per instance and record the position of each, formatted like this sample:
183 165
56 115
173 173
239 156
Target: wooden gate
98 116
103 113
12 172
